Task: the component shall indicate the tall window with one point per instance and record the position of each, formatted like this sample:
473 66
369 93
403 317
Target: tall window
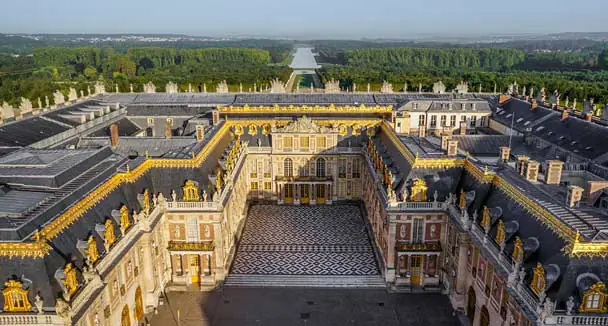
288 167
453 120
473 121
303 170
418 230
304 143
342 168
192 230
287 143
433 121
356 168
320 167
267 169
443 120
421 120
321 142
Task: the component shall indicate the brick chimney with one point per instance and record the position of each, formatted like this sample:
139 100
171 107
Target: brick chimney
520 166
588 117
531 172
444 141
575 194
452 147
505 152
534 104
554 172
422 131
114 134
594 189
463 128
215 114
200 132
565 114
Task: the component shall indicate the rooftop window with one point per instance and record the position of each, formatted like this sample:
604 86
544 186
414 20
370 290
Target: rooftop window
520 120
526 123
540 128
509 115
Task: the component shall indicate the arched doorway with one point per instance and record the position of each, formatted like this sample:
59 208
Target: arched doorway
471 304
139 304
125 319
484 317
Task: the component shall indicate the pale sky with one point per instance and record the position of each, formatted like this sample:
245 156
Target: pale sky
304 18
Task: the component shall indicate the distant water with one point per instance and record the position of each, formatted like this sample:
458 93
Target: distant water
304 59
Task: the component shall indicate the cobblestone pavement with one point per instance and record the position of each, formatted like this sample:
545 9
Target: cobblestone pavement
305 240
308 307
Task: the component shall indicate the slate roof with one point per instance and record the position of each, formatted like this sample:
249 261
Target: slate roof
484 145
125 128
524 118
28 131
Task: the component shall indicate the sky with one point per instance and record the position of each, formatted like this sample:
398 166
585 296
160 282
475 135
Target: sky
305 18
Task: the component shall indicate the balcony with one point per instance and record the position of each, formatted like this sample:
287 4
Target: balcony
191 246
419 247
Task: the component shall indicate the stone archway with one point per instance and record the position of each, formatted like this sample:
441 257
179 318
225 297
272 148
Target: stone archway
139 304
471 304
125 318
484 317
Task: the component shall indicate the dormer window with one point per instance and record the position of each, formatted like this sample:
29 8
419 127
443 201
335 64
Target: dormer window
520 120
540 128
594 299
509 115
15 297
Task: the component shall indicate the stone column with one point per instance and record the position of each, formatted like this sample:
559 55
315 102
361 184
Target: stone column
461 264
147 270
219 252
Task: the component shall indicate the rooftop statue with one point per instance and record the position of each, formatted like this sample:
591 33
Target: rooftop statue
72 95
462 88
332 87
25 106
58 97
171 88
438 87
386 87
222 87
277 86
100 88
149 87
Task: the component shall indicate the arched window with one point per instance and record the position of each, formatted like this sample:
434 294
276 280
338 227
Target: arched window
288 167
15 297
321 167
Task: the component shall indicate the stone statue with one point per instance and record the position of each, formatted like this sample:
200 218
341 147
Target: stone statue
240 87
81 93
171 88
354 87
63 310
204 88
404 194
567 101
222 87
462 87
420 88
205 195
435 196
369 88
88 272
495 88
89 90
58 97
154 200
174 195
404 87
438 87
116 88
523 92
522 275
39 103
570 306
39 303
72 95
259 142
135 216
131 88
216 196
149 87
332 87
46 101
386 87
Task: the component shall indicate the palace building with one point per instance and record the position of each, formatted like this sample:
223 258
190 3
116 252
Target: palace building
498 201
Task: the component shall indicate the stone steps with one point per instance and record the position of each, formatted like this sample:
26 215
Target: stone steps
319 281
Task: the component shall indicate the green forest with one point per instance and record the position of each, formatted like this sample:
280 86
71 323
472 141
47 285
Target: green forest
576 74
57 67
34 68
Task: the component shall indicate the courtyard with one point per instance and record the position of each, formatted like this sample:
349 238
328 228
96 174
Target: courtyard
303 306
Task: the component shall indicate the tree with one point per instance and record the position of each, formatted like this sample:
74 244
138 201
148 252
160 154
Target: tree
90 72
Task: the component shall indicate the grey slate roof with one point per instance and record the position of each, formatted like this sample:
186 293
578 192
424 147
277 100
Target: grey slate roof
28 131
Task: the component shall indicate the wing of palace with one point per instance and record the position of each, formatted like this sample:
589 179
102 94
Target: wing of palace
498 201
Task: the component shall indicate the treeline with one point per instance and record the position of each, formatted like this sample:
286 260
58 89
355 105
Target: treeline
53 68
486 59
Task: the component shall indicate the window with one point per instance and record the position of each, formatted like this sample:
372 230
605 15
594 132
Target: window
418 230
453 120
321 142
150 122
287 143
192 232
356 168
303 170
320 167
288 167
593 301
463 118
433 121
421 120
267 185
443 120
253 169
342 168
304 143
254 186
267 169
15 297
473 121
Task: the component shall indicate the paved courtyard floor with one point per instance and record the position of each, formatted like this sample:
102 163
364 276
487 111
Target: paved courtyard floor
305 240
300 306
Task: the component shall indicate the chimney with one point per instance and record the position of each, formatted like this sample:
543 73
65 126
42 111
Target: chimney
565 114
534 104
452 147
594 190
531 172
503 98
463 128
200 132
575 194
444 141
422 131
505 152
554 172
215 117
520 166
168 128
588 117
114 134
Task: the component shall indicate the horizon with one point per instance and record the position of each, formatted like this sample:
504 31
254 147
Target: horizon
305 20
